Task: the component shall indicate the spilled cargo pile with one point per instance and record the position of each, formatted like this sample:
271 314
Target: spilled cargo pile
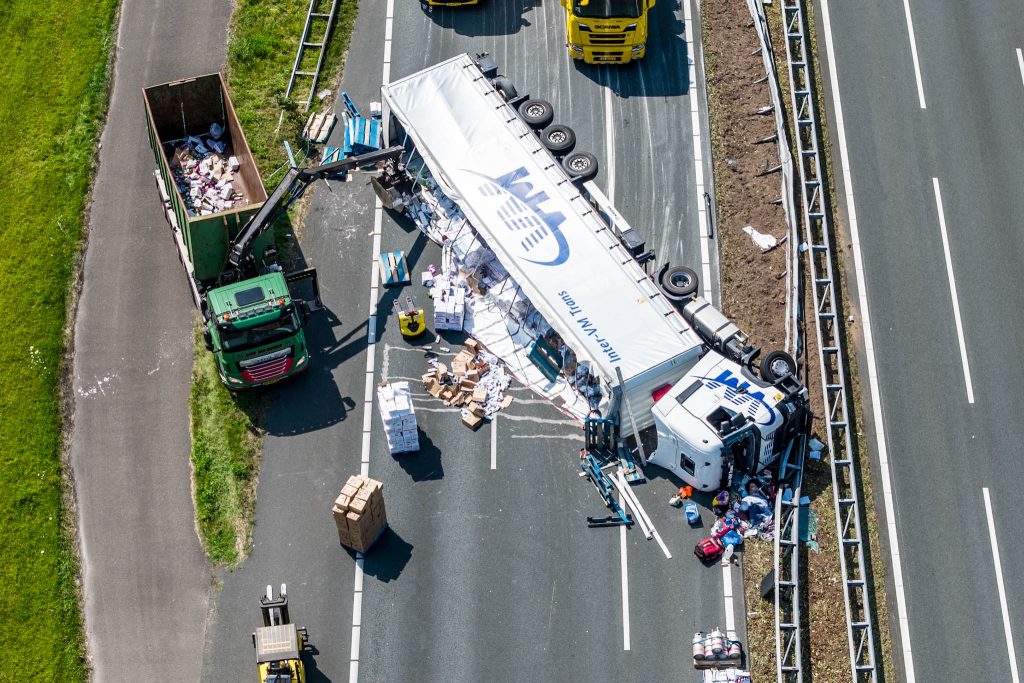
476 382
204 172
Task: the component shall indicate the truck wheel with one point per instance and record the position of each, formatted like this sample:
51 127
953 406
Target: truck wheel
580 165
679 282
536 113
558 139
777 365
505 87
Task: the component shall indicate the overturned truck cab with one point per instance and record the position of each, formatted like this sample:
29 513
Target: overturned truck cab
561 288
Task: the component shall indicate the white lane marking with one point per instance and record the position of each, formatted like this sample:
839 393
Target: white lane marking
952 291
494 442
371 340
625 589
1014 675
730 607
1020 64
869 349
913 53
698 156
609 140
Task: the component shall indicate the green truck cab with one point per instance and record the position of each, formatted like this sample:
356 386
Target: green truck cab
606 31
254 330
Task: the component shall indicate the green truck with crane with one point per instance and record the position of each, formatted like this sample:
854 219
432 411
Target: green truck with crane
220 214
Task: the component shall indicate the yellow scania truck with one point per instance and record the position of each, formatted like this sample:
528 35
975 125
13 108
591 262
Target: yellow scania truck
606 31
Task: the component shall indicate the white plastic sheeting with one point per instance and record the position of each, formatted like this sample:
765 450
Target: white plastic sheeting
567 262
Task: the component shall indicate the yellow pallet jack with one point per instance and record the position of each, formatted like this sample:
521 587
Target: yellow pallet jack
411 320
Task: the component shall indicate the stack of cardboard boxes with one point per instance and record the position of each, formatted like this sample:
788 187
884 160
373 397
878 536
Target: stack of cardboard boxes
359 512
449 306
394 400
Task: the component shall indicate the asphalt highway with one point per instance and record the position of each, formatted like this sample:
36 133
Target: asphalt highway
931 101
146 579
488 571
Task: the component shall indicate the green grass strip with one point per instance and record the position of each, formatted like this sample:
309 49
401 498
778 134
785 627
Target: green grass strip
226 433
53 96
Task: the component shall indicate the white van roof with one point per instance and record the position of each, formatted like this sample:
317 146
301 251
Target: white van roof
548 237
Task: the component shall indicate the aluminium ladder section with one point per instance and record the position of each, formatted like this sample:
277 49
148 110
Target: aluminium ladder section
305 43
817 224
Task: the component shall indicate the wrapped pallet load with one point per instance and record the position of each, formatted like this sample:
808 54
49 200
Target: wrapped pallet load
359 513
394 400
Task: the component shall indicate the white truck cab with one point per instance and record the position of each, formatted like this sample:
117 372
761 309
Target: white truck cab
719 414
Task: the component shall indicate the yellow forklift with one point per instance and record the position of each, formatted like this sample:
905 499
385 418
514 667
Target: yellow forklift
279 643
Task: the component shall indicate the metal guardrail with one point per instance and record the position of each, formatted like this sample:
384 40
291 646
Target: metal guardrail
788 632
788 643
817 224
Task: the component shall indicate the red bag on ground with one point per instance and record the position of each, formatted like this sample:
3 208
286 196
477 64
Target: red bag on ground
709 549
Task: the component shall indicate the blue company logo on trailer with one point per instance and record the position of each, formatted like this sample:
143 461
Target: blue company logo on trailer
543 242
752 403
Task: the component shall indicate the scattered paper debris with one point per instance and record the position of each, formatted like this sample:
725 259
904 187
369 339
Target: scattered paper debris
763 241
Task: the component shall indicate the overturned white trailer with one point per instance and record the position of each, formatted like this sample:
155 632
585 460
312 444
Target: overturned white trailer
698 408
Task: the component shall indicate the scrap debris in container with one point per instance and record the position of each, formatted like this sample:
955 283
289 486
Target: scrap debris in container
204 172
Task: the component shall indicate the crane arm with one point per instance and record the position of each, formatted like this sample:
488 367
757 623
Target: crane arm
295 182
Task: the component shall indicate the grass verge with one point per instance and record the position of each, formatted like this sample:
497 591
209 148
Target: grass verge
225 459
226 433
54 85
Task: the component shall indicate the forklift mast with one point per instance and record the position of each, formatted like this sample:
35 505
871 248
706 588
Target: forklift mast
275 610
296 181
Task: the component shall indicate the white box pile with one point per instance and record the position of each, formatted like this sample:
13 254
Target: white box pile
394 400
449 306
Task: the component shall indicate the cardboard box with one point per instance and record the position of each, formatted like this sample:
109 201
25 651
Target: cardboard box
480 394
506 401
435 389
341 503
428 379
473 346
477 409
472 374
359 506
467 385
472 421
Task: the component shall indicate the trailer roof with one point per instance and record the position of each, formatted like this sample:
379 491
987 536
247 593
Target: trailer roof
561 253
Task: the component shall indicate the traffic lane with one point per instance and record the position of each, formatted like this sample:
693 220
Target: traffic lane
144 572
314 427
936 626
1004 496
636 118
482 565
671 599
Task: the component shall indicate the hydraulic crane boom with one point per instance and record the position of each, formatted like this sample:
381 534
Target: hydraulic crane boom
294 184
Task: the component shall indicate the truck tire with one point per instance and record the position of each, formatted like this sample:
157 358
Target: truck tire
777 365
679 282
558 139
580 166
536 113
505 87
